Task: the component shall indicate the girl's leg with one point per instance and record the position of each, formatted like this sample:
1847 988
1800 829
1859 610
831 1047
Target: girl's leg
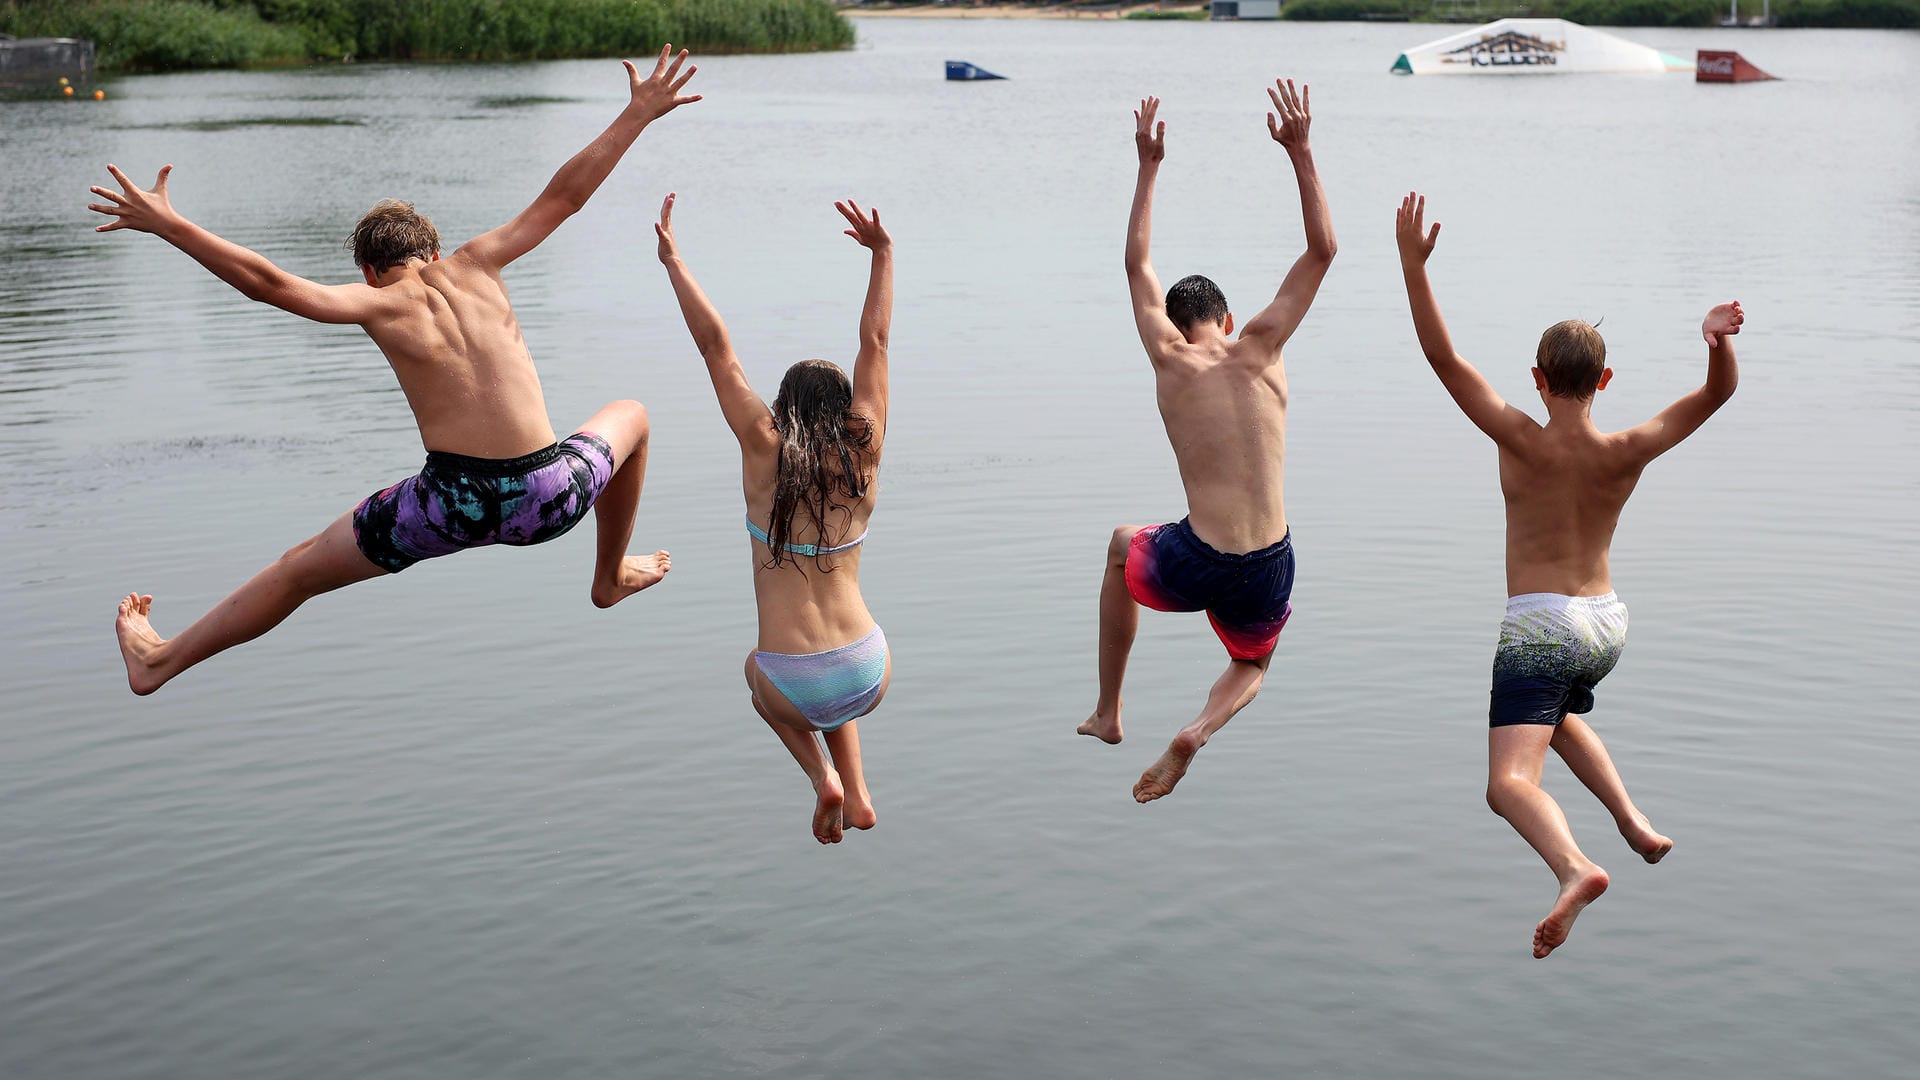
1579 746
617 575
1515 754
844 744
318 565
804 744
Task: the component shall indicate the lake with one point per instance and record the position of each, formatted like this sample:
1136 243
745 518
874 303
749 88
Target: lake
461 823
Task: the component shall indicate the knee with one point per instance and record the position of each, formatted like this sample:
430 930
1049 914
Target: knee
295 564
1119 544
1502 789
291 558
636 414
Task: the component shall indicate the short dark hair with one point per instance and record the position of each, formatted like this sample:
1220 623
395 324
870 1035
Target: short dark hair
1193 300
1572 356
390 234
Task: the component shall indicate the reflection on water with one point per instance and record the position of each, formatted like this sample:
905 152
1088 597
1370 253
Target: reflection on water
247 122
460 823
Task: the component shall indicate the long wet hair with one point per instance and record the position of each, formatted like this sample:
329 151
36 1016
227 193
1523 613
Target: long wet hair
826 454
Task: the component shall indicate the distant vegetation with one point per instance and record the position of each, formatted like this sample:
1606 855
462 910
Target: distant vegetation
169 34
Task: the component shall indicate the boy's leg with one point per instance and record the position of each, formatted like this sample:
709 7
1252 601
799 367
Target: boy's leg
1232 691
617 575
1119 622
804 745
1579 746
1515 753
324 563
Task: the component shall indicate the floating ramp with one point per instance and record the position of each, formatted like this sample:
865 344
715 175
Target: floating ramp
30 59
1534 47
1720 65
961 71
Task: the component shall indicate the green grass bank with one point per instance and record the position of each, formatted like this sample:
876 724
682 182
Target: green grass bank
177 34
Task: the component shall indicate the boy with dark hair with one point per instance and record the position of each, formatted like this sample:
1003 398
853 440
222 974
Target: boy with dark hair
494 472
1565 484
1224 403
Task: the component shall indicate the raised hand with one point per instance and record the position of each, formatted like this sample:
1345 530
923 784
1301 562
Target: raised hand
1407 229
1723 319
1289 128
1149 138
866 227
659 93
663 229
132 208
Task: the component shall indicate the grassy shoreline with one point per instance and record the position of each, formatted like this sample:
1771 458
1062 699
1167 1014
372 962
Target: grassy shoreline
1849 14
171 35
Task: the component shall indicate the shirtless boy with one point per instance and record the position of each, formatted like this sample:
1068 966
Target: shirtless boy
1564 484
1224 403
494 473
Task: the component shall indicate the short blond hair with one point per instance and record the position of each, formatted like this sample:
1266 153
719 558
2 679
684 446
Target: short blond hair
392 233
1572 356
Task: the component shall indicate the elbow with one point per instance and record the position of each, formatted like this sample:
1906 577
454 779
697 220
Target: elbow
1323 250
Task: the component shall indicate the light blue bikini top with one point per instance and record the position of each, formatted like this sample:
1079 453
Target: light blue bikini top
760 534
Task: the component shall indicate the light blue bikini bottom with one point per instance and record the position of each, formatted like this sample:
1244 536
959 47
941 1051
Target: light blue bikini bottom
830 688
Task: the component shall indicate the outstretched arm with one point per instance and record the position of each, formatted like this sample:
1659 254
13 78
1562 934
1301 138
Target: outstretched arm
747 415
651 98
1684 417
876 316
1471 391
1157 332
248 271
1277 322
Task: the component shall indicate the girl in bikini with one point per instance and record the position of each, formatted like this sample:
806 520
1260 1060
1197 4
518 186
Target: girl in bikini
809 464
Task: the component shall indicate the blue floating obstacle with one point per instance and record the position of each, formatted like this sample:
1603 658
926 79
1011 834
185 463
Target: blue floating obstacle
961 71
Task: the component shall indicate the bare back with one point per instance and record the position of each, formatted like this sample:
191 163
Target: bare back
455 345
1564 490
1224 404
806 604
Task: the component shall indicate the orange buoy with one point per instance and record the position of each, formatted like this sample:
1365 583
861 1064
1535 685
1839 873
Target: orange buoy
99 95
67 90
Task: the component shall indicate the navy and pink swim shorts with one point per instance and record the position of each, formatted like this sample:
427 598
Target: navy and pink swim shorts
1246 597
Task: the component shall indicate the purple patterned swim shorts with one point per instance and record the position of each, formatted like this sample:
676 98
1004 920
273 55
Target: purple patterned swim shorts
458 502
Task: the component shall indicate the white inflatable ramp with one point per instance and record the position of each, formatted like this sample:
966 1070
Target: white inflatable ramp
1534 47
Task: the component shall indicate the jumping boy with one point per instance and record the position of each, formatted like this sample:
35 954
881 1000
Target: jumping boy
1565 484
1224 403
494 474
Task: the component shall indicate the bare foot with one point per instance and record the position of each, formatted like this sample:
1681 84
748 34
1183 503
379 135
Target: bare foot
1579 891
826 810
139 645
1160 776
858 813
1646 843
636 572
1102 727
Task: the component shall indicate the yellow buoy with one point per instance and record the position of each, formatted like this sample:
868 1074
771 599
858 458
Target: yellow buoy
63 80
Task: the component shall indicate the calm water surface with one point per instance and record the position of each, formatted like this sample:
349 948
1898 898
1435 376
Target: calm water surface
460 823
